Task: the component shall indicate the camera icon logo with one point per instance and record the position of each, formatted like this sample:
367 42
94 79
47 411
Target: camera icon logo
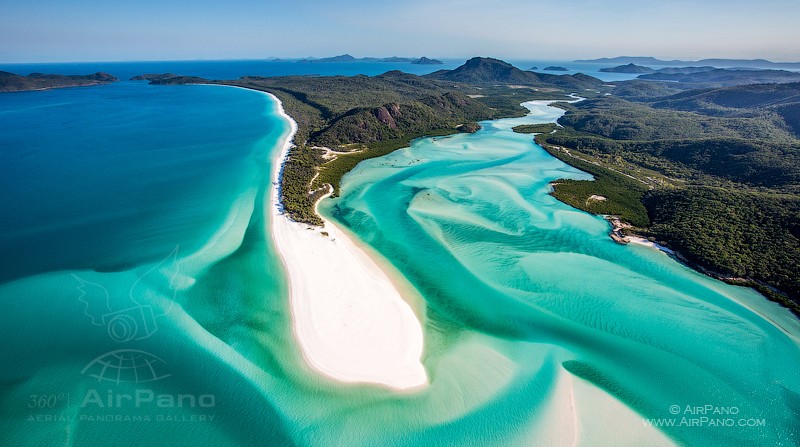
127 314
136 323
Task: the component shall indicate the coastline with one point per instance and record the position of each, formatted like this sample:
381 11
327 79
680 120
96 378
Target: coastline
350 321
769 293
617 234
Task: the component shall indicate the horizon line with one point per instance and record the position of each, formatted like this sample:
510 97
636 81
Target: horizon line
451 58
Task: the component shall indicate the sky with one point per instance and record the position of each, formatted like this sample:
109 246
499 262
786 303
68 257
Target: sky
109 30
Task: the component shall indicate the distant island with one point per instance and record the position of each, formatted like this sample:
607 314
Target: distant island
684 70
720 63
630 68
394 59
554 68
721 77
533 68
168 78
425 61
10 82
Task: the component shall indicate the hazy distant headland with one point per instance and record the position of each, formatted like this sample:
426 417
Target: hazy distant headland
721 63
10 82
349 58
707 75
629 68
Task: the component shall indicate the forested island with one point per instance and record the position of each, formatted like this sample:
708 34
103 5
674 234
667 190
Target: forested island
629 68
10 82
722 63
713 173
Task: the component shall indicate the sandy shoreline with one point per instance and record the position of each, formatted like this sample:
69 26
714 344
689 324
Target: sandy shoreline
350 321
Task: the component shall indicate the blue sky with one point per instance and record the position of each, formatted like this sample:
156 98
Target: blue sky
86 30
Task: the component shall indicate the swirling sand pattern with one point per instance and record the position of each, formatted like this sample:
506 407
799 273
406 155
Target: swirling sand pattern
469 221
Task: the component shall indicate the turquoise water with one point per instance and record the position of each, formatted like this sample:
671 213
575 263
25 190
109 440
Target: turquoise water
144 303
469 221
132 229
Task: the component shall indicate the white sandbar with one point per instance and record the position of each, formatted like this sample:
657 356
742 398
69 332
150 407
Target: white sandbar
351 322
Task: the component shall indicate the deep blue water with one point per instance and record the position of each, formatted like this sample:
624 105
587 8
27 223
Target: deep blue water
106 176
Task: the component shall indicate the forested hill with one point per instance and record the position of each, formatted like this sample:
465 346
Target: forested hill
359 117
782 100
485 70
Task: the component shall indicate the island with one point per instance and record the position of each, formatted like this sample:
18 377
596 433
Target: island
721 77
393 59
425 61
10 82
340 58
684 70
710 174
630 68
169 78
555 68
719 63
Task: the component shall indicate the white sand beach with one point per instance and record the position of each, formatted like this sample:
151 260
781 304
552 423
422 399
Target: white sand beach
350 321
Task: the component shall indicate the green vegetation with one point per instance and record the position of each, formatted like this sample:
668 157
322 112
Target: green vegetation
296 199
758 150
373 115
734 233
397 120
646 90
361 117
714 174
622 195
332 172
488 71
536 128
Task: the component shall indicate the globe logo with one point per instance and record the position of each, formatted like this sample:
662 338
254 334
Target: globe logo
126 365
